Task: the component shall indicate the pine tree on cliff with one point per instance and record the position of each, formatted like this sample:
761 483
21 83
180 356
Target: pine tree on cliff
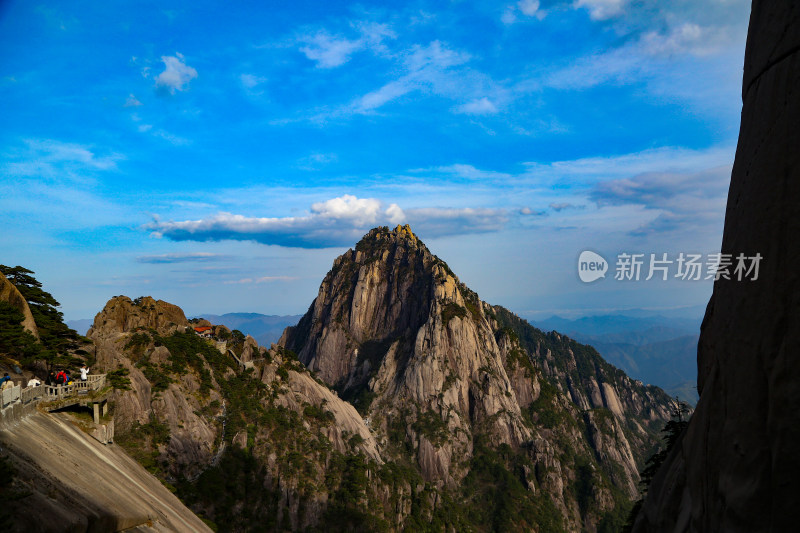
56 337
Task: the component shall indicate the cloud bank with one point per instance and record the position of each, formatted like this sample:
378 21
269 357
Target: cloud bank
198 257
683 201
339 221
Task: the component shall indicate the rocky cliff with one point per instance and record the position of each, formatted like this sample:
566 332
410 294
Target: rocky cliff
447 378
736 466
9 293
200 413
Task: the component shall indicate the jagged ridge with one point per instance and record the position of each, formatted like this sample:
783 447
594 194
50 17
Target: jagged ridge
437 371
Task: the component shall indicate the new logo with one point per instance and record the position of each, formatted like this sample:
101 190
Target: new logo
591 266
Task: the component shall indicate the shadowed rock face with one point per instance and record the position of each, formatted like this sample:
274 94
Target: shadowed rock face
737 465
9 293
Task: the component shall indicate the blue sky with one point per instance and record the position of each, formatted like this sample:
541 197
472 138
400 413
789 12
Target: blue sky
221 157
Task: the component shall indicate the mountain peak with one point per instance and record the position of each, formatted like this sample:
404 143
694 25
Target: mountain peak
382 237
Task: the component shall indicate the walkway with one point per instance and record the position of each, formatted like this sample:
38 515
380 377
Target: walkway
60 396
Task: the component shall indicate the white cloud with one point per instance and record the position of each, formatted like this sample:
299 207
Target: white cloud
681 201
509 15
688 38
387 93
176 75
482 106
360 211
601 9
330 51
469 172
427 68
439 222
250 81
436 55
132 101
336 222
52 159
528 7
591 170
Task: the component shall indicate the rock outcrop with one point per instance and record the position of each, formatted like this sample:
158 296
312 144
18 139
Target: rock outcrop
737 464
435 369
9 293
190 406
122 315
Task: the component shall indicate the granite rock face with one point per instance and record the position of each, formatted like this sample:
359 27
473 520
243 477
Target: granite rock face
433 368
392 320
67 481
9 293
736 467
121 315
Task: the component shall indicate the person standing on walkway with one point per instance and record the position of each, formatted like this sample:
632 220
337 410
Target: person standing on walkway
84 373
5 382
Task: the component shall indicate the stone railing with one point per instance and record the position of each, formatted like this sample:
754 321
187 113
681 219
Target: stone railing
10 395
93 382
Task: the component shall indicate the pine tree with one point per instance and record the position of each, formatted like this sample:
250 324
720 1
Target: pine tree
672 431
57 339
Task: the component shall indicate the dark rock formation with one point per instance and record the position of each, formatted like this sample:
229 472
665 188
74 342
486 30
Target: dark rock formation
737 465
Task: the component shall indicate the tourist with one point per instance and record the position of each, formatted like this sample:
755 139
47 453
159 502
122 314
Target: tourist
5 382
34 382
51 379
84 373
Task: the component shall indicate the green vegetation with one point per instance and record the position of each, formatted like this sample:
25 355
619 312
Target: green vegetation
431 426
545 410
143 443
452 310
118 378
318 412
15 341
495 498
672 432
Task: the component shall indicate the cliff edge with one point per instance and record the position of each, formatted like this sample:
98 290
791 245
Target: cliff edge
736 466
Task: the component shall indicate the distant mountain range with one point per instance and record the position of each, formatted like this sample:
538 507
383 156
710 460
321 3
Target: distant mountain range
265 329
81 325
656 349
